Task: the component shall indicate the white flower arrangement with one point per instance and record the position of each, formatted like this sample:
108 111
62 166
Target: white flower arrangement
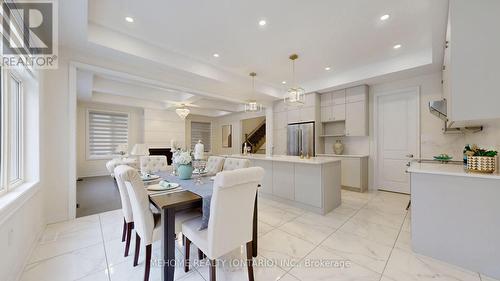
184 158
175 155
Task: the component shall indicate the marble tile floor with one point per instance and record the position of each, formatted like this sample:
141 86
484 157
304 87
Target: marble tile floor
367 238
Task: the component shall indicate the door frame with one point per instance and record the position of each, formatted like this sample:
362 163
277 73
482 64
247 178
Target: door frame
376 97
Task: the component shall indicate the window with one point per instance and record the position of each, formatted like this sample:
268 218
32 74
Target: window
201 131
11 131
106 130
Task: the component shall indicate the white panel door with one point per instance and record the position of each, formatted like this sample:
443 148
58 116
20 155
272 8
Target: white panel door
397 139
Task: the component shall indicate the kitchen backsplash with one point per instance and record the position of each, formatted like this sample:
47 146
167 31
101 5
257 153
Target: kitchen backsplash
352 145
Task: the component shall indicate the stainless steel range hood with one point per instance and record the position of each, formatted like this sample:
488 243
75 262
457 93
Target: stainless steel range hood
440 109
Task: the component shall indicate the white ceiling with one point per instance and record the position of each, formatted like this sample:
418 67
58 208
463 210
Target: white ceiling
178 37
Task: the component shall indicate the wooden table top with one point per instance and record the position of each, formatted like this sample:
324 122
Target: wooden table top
174 199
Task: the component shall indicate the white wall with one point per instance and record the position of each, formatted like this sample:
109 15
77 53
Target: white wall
97 167
234 120
433 141
162 126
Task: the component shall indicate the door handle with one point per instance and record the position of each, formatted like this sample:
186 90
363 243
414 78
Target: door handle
409 155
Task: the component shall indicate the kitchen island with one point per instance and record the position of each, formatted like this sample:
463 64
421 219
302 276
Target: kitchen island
455 216
312 184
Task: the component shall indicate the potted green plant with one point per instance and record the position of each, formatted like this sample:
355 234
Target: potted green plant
481 160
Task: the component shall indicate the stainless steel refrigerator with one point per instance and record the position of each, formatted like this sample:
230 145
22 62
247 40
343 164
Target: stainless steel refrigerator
300 138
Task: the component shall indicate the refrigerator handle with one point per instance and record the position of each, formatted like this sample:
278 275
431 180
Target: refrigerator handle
300 141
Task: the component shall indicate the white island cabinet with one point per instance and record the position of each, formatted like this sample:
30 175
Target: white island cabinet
311 184
455 216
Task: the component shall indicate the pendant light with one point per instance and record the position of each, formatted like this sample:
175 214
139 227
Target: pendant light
183 112
295 95
252 105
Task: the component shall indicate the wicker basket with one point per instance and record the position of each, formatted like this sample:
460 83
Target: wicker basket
481 164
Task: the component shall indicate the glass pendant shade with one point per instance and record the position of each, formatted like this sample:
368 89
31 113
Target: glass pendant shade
295 95
252 105
182 112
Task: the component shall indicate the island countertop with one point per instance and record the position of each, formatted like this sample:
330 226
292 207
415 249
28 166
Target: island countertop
286 158
448 170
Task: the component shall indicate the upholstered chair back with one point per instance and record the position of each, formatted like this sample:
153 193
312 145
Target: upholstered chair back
139 200
122 188
234 163
232 210
214 165
153 164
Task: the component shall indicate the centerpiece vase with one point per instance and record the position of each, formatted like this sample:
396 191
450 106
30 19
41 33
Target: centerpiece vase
185 171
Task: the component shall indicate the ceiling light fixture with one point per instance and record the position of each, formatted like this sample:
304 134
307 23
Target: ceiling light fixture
385 17
183 111
252 105
216 55
283 82
129 19
262 22
327 68
295 95
397 46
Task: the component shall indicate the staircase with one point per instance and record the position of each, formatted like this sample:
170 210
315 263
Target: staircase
257 138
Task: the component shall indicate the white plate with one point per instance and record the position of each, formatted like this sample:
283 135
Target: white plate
157 187
150 177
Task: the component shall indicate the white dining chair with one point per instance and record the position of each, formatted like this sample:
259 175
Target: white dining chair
214 165
231 218
235 163
153 164
146 222
128 218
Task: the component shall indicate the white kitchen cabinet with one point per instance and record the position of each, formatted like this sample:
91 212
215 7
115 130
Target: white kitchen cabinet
354 171
267 181
356 94
356 119
307 114
283 180
280 142
326 114
339 97
326 99
471 79
280 120
280 106
293 115
338 112
307 176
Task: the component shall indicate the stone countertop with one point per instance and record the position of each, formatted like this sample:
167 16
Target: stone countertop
448 170
344 155
286 158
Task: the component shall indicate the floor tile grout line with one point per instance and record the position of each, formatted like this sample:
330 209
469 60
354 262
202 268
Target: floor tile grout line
104 247
317 246
62 254
395 242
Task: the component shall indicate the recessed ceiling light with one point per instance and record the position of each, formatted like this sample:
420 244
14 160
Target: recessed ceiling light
129 19
385 17
397 46
216 55
262 22
327 68
284 82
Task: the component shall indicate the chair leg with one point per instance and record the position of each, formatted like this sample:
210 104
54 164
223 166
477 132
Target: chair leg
187 249
212 270
147 268
137 249
200 255
130 226
250 261
124 232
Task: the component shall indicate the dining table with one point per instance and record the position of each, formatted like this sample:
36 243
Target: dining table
190 195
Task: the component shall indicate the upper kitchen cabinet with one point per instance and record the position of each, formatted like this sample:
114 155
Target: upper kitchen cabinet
349 106
472 58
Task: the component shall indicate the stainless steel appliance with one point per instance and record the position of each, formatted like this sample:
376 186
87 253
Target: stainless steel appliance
300 138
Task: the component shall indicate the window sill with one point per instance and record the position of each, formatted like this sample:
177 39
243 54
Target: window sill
14 199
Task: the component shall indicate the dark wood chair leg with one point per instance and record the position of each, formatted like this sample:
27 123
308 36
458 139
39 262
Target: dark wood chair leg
147 268
200 255
409 205
250 261
124 232
130 226
213 272
137 249
187 248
